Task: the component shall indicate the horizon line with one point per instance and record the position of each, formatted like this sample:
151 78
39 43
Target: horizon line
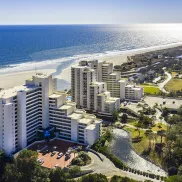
90 24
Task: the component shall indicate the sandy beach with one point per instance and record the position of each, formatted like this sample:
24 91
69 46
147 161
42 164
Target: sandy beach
117 58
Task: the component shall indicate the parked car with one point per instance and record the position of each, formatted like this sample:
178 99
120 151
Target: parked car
59 155
45 152
57 165
53 153
40 161
75 147
67 157
67 153
54 148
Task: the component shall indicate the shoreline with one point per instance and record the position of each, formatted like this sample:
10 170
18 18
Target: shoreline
10 79
119 58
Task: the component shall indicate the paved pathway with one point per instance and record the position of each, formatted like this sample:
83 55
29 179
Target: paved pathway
161 85
107 168
158 115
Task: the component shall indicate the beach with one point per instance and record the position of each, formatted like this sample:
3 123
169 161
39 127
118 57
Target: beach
117 58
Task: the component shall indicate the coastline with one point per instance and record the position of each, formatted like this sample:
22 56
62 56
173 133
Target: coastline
118 58
12 79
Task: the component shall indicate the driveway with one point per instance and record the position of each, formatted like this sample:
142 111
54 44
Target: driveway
107 168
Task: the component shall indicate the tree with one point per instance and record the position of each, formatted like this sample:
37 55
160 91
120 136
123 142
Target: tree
180 170
2 163
175 178
115 115
116 178
74 171
174 119
27 163
124 118
11 174
58 175
161 133
26 169
151 137
94 178
40 174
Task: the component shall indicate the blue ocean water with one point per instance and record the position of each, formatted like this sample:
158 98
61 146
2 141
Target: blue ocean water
30 44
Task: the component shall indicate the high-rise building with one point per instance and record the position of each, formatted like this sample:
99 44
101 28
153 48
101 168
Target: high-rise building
88 92
23 109
103 73
36 105
71 123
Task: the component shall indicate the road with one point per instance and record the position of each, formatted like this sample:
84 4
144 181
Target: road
107 168
161 85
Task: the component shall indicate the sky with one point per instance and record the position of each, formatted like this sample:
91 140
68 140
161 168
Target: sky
90 11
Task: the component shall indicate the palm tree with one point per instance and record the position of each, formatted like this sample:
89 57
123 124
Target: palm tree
74 151
161 133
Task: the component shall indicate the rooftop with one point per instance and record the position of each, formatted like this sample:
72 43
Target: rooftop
88 69
104 93
115 73
122 80
54 96
41 75
90 127
137 88
85 120
97 83
106 63
58 94
11 92
75 116
98 121
65 107
78 66
112 100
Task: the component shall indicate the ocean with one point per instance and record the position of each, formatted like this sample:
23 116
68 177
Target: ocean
27 47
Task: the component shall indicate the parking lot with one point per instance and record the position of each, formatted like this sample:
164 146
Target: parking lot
47 159
170 103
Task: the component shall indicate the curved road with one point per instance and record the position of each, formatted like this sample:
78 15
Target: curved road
161 85
107 168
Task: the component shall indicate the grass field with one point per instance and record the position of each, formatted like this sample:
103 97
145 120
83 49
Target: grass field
151 89
159 127
174 85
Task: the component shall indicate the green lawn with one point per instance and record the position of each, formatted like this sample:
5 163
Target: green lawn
159 127
151 89
174 85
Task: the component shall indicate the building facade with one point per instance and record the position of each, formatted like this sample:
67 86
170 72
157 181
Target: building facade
88 76
88 92
71 123
28 108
